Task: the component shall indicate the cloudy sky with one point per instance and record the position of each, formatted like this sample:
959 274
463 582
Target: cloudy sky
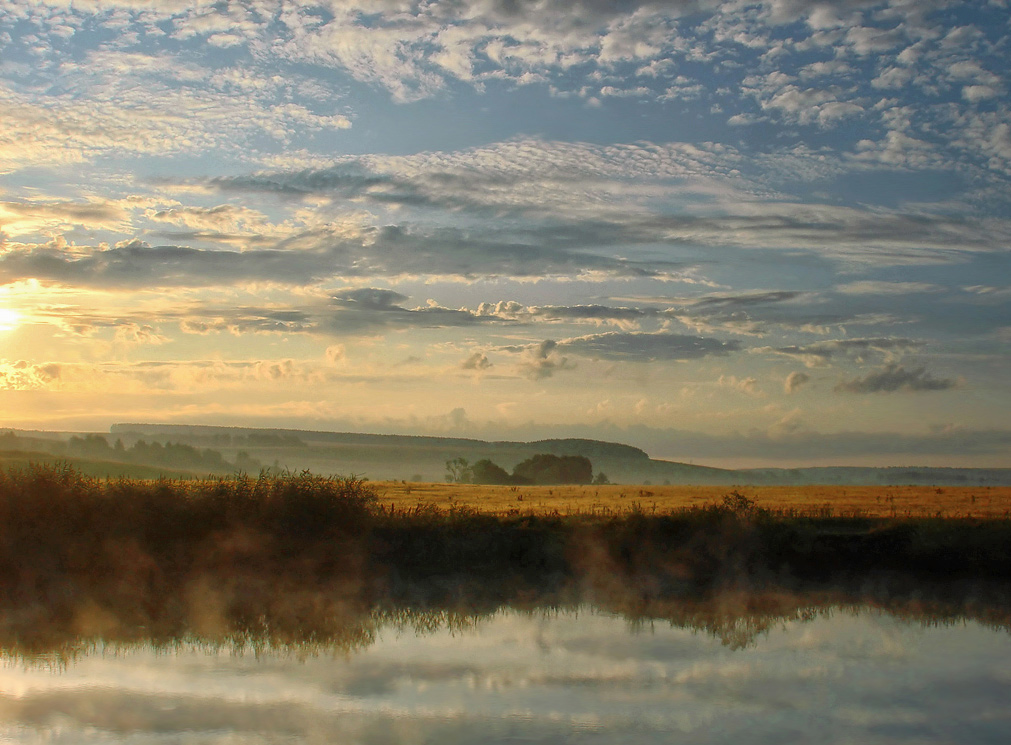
738 232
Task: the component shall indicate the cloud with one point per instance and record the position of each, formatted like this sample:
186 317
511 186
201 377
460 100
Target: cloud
623 317
646 347
349 312
244 320
542 361
719 312
821 353
144 379
795 381
225 218
134 264
723 312
875 287
139 326
336 354
532 176
868 40
112 101
25 375
132 333
370 310
896 378
477 361
37 215
312 257
745 300
987 294
582 195
739 323
977 93
810 106
744 385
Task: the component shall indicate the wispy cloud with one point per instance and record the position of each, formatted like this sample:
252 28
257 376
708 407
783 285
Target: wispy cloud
878 287
821 353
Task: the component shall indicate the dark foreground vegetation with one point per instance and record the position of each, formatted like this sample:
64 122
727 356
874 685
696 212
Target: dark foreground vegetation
304 559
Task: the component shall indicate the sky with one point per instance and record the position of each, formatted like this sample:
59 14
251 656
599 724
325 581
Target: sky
736 233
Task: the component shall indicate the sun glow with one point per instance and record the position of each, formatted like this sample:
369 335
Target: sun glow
9 319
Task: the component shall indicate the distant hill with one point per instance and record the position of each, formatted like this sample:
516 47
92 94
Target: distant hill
423 458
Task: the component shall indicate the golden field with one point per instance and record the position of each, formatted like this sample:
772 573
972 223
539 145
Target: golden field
828 501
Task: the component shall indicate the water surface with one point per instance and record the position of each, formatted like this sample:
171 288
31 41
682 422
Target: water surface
580 675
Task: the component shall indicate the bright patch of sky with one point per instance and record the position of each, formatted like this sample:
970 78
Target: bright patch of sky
737 230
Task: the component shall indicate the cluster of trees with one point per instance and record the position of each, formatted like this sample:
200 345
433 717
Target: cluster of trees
180 455
544 468
171 455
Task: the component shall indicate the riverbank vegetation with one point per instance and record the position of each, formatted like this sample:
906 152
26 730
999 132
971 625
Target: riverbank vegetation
301 554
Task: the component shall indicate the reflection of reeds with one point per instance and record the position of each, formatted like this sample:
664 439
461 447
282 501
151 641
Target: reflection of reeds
302 560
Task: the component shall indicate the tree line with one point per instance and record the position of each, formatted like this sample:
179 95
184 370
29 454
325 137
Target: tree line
170 454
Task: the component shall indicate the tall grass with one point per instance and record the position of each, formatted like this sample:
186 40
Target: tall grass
54 517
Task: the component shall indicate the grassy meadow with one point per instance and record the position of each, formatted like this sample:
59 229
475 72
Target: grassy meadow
810 501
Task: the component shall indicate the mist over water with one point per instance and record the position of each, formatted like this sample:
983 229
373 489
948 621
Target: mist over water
582 674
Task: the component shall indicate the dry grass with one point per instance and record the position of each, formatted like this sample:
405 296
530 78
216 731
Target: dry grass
823 501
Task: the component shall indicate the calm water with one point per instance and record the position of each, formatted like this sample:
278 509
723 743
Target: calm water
568 677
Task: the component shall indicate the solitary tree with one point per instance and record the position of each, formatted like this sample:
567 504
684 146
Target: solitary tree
458 471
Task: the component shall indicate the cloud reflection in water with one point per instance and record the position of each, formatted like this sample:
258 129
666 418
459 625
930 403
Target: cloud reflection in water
539 677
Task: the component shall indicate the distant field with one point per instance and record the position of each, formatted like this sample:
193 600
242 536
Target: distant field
869 501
